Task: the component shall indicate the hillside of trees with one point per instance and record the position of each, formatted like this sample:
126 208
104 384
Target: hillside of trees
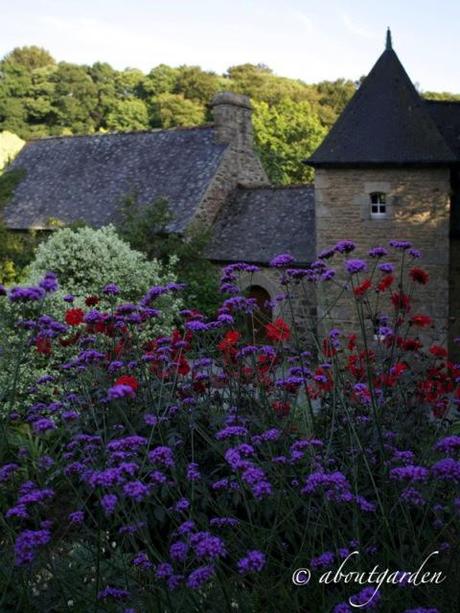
41 97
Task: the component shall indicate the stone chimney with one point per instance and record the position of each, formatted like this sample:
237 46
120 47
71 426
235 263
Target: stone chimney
232 125
232 119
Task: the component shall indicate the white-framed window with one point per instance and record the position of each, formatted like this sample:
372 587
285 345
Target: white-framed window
378 205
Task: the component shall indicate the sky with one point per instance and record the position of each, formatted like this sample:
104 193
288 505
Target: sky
312 40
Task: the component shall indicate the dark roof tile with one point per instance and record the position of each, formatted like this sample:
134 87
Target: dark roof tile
259 223
446 115
386 122
87 177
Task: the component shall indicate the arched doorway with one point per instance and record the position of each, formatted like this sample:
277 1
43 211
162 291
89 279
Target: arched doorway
262 315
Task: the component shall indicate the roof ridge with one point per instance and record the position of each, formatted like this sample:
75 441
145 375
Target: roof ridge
131 133
276 187
433 100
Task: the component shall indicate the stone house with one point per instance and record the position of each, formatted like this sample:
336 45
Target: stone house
389 168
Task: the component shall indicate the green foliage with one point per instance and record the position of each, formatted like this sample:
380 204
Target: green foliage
170 110
196 84
286 134
85 260
160 80
16 248
128 115
144 227
31 58
446 96
10 145
39 97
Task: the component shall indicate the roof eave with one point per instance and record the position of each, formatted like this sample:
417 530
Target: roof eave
266 263
383 164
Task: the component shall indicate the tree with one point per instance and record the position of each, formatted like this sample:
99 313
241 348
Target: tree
169 110
446 96
144 227
75 98
286 134
31 58
128 115
196 84
16 248
10 145
334 96
160 80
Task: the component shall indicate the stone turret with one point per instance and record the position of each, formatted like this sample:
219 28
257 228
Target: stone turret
383 172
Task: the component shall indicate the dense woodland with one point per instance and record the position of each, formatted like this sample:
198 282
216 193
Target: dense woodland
41 97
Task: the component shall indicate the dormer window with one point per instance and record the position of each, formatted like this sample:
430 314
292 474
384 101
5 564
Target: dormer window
378 204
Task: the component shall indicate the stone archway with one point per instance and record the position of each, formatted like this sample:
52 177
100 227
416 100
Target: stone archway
262 315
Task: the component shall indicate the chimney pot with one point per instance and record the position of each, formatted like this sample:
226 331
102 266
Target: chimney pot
232 119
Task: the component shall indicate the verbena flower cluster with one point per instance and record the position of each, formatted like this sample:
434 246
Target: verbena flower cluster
196 469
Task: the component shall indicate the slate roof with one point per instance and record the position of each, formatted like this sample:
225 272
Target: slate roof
446 115
385 123
259 223
87 177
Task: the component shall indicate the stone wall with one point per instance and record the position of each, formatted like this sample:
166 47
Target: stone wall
299 310
418 208
240 164
454 274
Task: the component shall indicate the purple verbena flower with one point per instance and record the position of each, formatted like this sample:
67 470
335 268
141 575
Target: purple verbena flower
279 261
401 245
409 473
27 543
355 266
253 562
447 469
199 577
378 252
114 593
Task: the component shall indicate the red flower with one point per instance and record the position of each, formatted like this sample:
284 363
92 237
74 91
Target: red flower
74 317
385 283
418 275
91 300
421 320
438 351
43 345
281 408
229 340
183 367
265 362
398 369
128 380
351 342
400 301
411 344
362 288
278 330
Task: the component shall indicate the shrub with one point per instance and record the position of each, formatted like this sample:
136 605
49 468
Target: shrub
195 472
16 248
145 228
86 261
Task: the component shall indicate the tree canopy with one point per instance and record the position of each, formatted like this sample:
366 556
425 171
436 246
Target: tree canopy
42 97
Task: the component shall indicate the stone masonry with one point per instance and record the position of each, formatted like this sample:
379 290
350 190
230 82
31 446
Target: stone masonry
240 166
417 210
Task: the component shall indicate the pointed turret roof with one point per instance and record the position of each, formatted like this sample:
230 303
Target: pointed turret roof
385 123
